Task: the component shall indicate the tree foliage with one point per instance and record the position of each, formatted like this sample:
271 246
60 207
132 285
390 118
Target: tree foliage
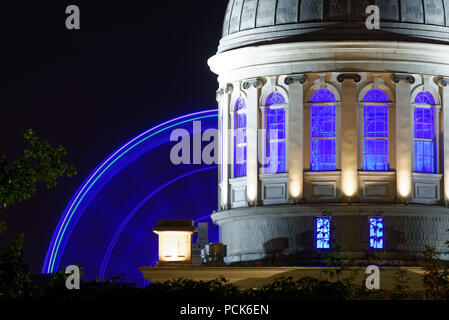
14 273
40 163
436 278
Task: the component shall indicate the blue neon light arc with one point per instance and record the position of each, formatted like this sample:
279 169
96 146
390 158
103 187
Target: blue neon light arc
133 212
53 250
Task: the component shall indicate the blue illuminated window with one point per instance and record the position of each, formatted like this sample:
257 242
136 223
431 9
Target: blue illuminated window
323 232
276 134
376 233
425 137
240 140
323 153
375 131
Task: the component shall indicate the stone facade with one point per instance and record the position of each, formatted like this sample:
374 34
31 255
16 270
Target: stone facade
269 218
284 235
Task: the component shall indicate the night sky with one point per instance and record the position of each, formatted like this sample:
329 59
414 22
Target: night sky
131 66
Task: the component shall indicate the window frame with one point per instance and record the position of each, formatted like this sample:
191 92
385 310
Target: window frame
336 105
436 110
264 108
315 230
235 113
362 139
370 237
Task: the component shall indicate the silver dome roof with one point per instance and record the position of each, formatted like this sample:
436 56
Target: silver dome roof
252 22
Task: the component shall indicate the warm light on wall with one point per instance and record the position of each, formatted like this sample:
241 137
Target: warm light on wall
175 241
224 196
349 184
404 184
251 192
295 189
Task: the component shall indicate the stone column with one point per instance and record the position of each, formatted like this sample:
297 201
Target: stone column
403 137
224 131
219 97
444 92
252 88
296 137
349 134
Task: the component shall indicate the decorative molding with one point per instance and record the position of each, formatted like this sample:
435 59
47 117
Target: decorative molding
377 186
343 76
398 77
376 85
420 88
238 193
291 79
319 174
256 83
274 188
324 85
321 187
426 188
266 94
228 89
302 57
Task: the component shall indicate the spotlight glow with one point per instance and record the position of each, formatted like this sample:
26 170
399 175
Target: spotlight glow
295 189
404 184
349 184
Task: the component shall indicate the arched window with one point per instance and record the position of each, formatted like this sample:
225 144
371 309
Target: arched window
240 140
375 131
425 137
323 131
275 134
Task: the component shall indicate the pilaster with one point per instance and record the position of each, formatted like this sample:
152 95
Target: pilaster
403 137
252 88
224 145
349 134
296 137
444 92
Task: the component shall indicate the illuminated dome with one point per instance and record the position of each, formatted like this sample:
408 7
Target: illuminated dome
333 135
250 22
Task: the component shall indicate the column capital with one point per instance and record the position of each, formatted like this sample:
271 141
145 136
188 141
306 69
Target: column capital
227 89
443 82
291 79
256 83
343 76
407 77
